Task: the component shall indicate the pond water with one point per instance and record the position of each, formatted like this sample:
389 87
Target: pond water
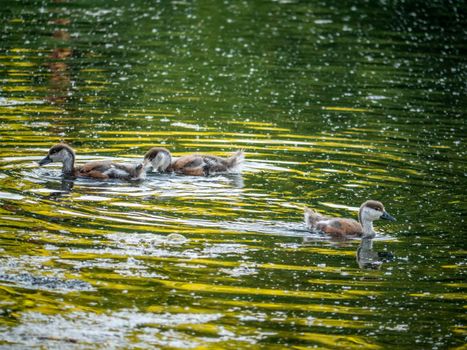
333 102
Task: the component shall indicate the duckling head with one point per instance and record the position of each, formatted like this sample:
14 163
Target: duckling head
59 153
370 211
158 158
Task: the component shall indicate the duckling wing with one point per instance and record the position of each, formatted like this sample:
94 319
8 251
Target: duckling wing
127 171
219 164
205 164
213 164
340 227
93 169
189 165
187 162
107 170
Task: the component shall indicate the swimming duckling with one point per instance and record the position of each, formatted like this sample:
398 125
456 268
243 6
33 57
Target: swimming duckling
338 227
101 170
195 164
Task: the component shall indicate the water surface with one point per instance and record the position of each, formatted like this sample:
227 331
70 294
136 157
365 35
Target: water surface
333 103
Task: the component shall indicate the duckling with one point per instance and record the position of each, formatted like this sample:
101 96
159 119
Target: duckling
195 164
339 227
101 170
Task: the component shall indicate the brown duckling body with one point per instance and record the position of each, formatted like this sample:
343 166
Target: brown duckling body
101 170
342 227
195 164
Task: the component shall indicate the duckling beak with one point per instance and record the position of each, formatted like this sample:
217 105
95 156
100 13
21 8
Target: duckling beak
45 160
386 216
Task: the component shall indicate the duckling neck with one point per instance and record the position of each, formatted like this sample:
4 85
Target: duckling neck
163 161
68 164
367 227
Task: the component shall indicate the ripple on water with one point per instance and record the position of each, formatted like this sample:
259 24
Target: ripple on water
7 195
12 272
115 330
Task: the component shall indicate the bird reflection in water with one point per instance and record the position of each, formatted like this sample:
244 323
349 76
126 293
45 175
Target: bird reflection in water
59 189
368 258
61 85
236 180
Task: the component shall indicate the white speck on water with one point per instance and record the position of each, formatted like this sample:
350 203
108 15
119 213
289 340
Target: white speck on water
376 97
323 21
187 126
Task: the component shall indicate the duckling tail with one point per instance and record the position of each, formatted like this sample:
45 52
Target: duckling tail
235 160
311 218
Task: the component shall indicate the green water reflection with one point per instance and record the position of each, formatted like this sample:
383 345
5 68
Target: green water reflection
333 102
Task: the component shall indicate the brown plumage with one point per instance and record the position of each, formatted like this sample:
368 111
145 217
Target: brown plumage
342 227
101 170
